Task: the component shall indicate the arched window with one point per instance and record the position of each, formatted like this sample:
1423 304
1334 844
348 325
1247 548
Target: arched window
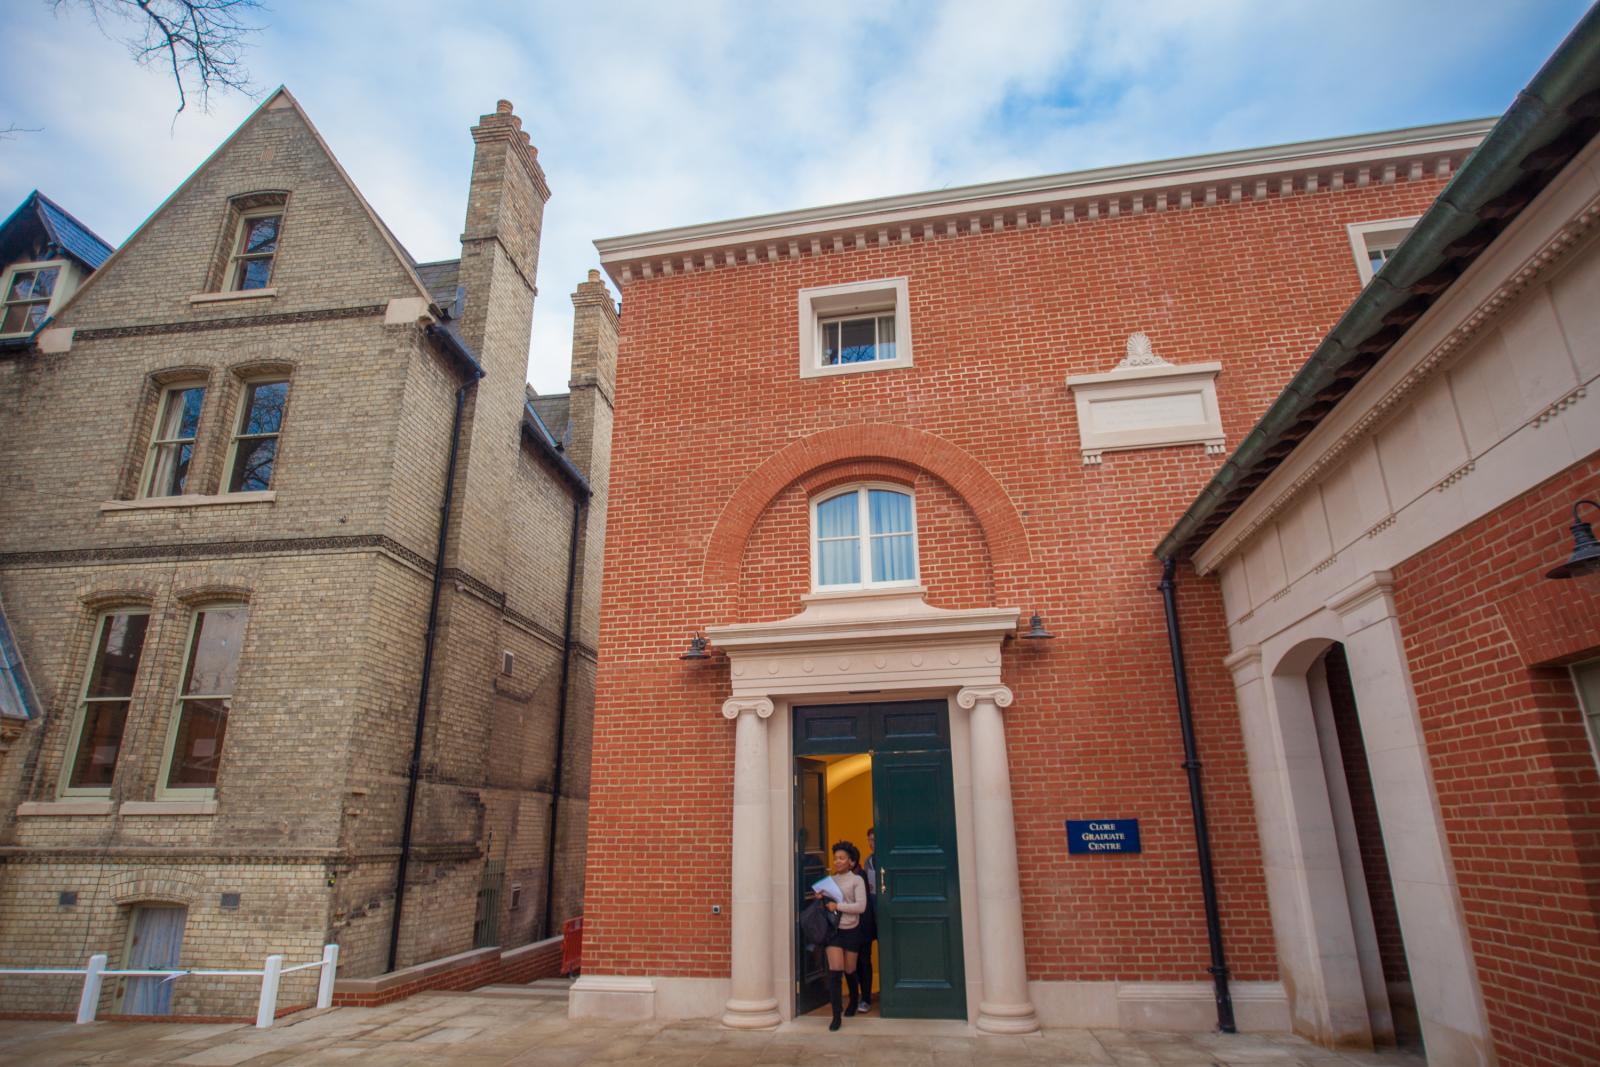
863 536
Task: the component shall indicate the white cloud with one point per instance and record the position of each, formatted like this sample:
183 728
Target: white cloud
649 115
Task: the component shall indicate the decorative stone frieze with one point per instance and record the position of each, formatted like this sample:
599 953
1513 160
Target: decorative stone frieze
1146 402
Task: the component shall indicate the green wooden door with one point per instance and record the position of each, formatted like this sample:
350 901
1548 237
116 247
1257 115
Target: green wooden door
811 863
919 899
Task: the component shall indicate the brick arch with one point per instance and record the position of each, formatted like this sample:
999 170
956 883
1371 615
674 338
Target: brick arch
900 446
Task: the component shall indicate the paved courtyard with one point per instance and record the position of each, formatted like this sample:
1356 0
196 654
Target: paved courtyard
486 1030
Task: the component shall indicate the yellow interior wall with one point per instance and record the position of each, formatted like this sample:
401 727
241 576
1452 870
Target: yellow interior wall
849 800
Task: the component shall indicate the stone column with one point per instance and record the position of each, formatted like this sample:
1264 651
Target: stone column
1005 1007
751 1004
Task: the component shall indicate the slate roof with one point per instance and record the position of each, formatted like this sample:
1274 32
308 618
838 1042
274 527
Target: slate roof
554 411
60 230
441 278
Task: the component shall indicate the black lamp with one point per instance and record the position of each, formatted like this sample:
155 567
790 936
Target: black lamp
697 648
1585 558
1036 630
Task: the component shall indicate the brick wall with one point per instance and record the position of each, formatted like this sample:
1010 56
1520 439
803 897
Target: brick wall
718 439
1515 774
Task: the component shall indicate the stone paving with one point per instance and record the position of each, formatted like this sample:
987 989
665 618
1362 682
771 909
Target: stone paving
474 1030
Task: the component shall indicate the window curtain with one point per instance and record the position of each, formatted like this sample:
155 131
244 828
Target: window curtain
893 542
157 938
838 541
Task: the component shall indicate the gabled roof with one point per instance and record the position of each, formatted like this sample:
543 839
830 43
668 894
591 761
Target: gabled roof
39 216
1549 122
278 98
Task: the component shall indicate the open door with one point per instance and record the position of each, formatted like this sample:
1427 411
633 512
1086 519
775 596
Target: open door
811 863
921 971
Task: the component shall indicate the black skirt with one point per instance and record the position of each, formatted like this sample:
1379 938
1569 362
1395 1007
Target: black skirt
850 940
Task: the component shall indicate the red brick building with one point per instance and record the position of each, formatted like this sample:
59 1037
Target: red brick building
903 463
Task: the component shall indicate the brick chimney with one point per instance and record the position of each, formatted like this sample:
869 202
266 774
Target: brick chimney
594 371
500 244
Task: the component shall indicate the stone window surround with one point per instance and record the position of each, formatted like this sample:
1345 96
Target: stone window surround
218 283
1383 233
169 796
830 301
206 469
65 792
66 284
864 533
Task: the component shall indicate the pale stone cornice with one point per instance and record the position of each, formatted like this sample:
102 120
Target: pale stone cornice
1174 184
831 620
1368 408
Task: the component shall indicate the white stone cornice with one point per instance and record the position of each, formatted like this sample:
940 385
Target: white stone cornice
998 695
1191 182
734 706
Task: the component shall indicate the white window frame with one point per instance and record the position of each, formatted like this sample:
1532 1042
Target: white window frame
830 303
66 284
1382 234
864 537
80 719
149 472
238 434
194 793
1586 680
230 281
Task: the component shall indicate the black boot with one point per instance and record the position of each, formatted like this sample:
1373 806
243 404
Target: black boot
855 993
835 997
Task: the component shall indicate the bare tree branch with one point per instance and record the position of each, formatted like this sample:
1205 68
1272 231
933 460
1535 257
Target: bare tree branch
12 129
201 41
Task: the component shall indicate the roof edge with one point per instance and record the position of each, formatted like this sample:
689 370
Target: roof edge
1045 187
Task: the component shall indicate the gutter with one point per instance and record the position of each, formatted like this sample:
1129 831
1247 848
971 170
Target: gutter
1548 123
1197 803
463 355
579 502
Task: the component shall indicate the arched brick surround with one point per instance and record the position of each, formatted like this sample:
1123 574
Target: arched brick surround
872 450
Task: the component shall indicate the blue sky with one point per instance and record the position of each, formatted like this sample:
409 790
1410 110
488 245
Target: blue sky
652 114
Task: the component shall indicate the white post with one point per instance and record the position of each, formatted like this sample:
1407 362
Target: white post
89 1002
751 1004
269 992
1006 1007
330 967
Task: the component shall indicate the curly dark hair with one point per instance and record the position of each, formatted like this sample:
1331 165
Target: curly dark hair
848 849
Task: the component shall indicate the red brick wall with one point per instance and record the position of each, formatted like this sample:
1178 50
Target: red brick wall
1364 810
718 438
1516 778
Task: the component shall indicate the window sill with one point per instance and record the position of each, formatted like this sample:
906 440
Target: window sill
65 807
855 368
864 592
237 294
168 807
190 501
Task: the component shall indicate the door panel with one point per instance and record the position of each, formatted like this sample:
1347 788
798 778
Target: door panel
811 863
153 944
919 896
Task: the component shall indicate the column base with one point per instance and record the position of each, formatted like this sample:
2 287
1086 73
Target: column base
751 1015
1007 1018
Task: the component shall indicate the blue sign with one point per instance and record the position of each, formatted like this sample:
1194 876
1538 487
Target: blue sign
1102 835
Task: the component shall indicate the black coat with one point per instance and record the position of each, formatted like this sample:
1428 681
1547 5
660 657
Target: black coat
816 923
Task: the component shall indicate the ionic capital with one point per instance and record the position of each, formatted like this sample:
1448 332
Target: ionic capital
731 707
998 695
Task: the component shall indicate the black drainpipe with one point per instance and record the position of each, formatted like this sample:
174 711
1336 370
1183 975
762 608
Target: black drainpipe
578 500
427 667
1197 804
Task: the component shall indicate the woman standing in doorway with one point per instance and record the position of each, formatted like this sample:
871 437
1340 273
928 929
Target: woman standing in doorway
845 942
